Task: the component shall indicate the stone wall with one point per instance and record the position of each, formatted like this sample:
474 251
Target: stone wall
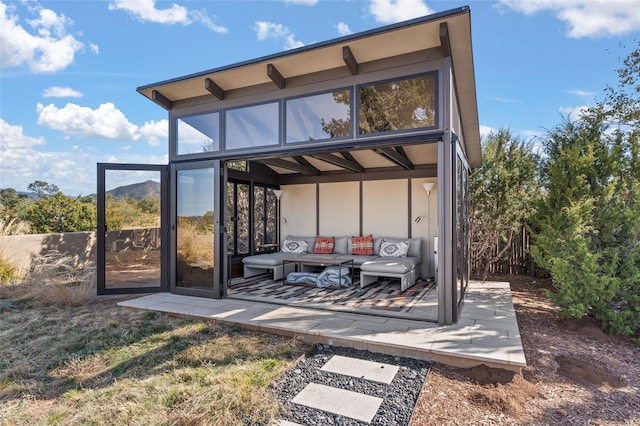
21 250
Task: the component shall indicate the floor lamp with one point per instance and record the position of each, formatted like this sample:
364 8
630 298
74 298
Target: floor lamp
428 186
278 193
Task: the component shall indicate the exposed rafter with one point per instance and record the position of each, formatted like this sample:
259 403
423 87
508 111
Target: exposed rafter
350 60
396 157
300 159
275 76
290 165
445 42
340 162
213 88
161 100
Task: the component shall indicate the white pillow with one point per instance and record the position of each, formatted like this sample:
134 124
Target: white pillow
394 249
298 247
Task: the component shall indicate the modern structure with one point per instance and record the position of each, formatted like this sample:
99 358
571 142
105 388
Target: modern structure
368 134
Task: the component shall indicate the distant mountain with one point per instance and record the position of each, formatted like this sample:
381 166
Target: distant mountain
137 191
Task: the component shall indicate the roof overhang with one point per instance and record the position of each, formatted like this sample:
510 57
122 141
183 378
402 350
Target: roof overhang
346 52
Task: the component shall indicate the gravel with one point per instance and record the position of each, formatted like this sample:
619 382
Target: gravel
399 396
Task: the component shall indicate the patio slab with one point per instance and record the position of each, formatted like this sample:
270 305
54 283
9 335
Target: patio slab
487 333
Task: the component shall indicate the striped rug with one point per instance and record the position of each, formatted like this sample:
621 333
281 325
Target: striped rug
383 297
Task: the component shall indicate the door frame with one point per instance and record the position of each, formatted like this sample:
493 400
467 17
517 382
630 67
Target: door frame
101 229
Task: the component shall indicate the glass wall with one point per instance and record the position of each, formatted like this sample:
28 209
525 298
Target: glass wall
318 117
198 133
462 227
397 105
405 104
252 126
238 218
132 216
195 221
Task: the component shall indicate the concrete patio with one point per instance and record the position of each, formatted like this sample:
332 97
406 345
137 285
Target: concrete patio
487 332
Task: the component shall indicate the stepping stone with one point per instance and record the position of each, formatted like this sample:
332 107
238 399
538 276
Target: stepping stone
368 370
339 401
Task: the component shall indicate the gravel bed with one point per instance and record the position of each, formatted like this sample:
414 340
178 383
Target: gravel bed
399 397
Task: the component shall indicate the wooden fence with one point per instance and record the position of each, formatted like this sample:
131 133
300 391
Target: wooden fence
515 261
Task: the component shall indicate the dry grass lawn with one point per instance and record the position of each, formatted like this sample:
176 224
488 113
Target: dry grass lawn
101 364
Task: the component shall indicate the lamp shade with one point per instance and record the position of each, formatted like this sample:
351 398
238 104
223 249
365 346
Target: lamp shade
428 186
278 193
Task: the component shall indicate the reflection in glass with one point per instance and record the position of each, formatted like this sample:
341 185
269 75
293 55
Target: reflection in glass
198 133
252 126
397 105
316 117
238 218
195 228
132 217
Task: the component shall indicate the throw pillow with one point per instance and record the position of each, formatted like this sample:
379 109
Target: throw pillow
395 249
298 247
362 245
324 245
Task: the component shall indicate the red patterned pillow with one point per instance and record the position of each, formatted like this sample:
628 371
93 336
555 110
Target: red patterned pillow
324 245
362 245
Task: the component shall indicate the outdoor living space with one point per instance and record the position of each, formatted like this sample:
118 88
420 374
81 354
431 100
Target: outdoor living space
486 333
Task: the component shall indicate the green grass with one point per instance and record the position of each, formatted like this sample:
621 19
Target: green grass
101 364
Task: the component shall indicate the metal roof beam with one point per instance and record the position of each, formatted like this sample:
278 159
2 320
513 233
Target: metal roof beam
340 162
445 41
161 100
213 88
275 76
290 165
395 157
350 60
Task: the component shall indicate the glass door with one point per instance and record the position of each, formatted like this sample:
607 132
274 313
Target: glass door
132 228
196 244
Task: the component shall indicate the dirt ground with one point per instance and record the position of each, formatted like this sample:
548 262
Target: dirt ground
575 375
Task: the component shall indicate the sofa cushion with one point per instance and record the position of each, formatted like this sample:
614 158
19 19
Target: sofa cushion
391 265
324 245
362 246
270 259
293 246
310 241
394 248
415 245
341 245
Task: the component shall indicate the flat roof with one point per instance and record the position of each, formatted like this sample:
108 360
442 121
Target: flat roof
393 40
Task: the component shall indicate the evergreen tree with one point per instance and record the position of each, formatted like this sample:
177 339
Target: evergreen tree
500 196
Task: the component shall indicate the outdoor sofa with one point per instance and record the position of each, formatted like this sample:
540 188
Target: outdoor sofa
389 259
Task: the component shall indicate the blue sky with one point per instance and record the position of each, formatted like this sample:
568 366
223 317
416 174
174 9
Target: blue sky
69 69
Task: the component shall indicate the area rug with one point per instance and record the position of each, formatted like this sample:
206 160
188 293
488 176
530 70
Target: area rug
383 297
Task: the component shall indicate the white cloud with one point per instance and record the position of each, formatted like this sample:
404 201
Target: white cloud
268 30
585 18
582 93
390 11
343 29
95 49
146 11
156 132
24 159
12 137
105 122
486 131
61 92
303 2
49 49
502 100
573 112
